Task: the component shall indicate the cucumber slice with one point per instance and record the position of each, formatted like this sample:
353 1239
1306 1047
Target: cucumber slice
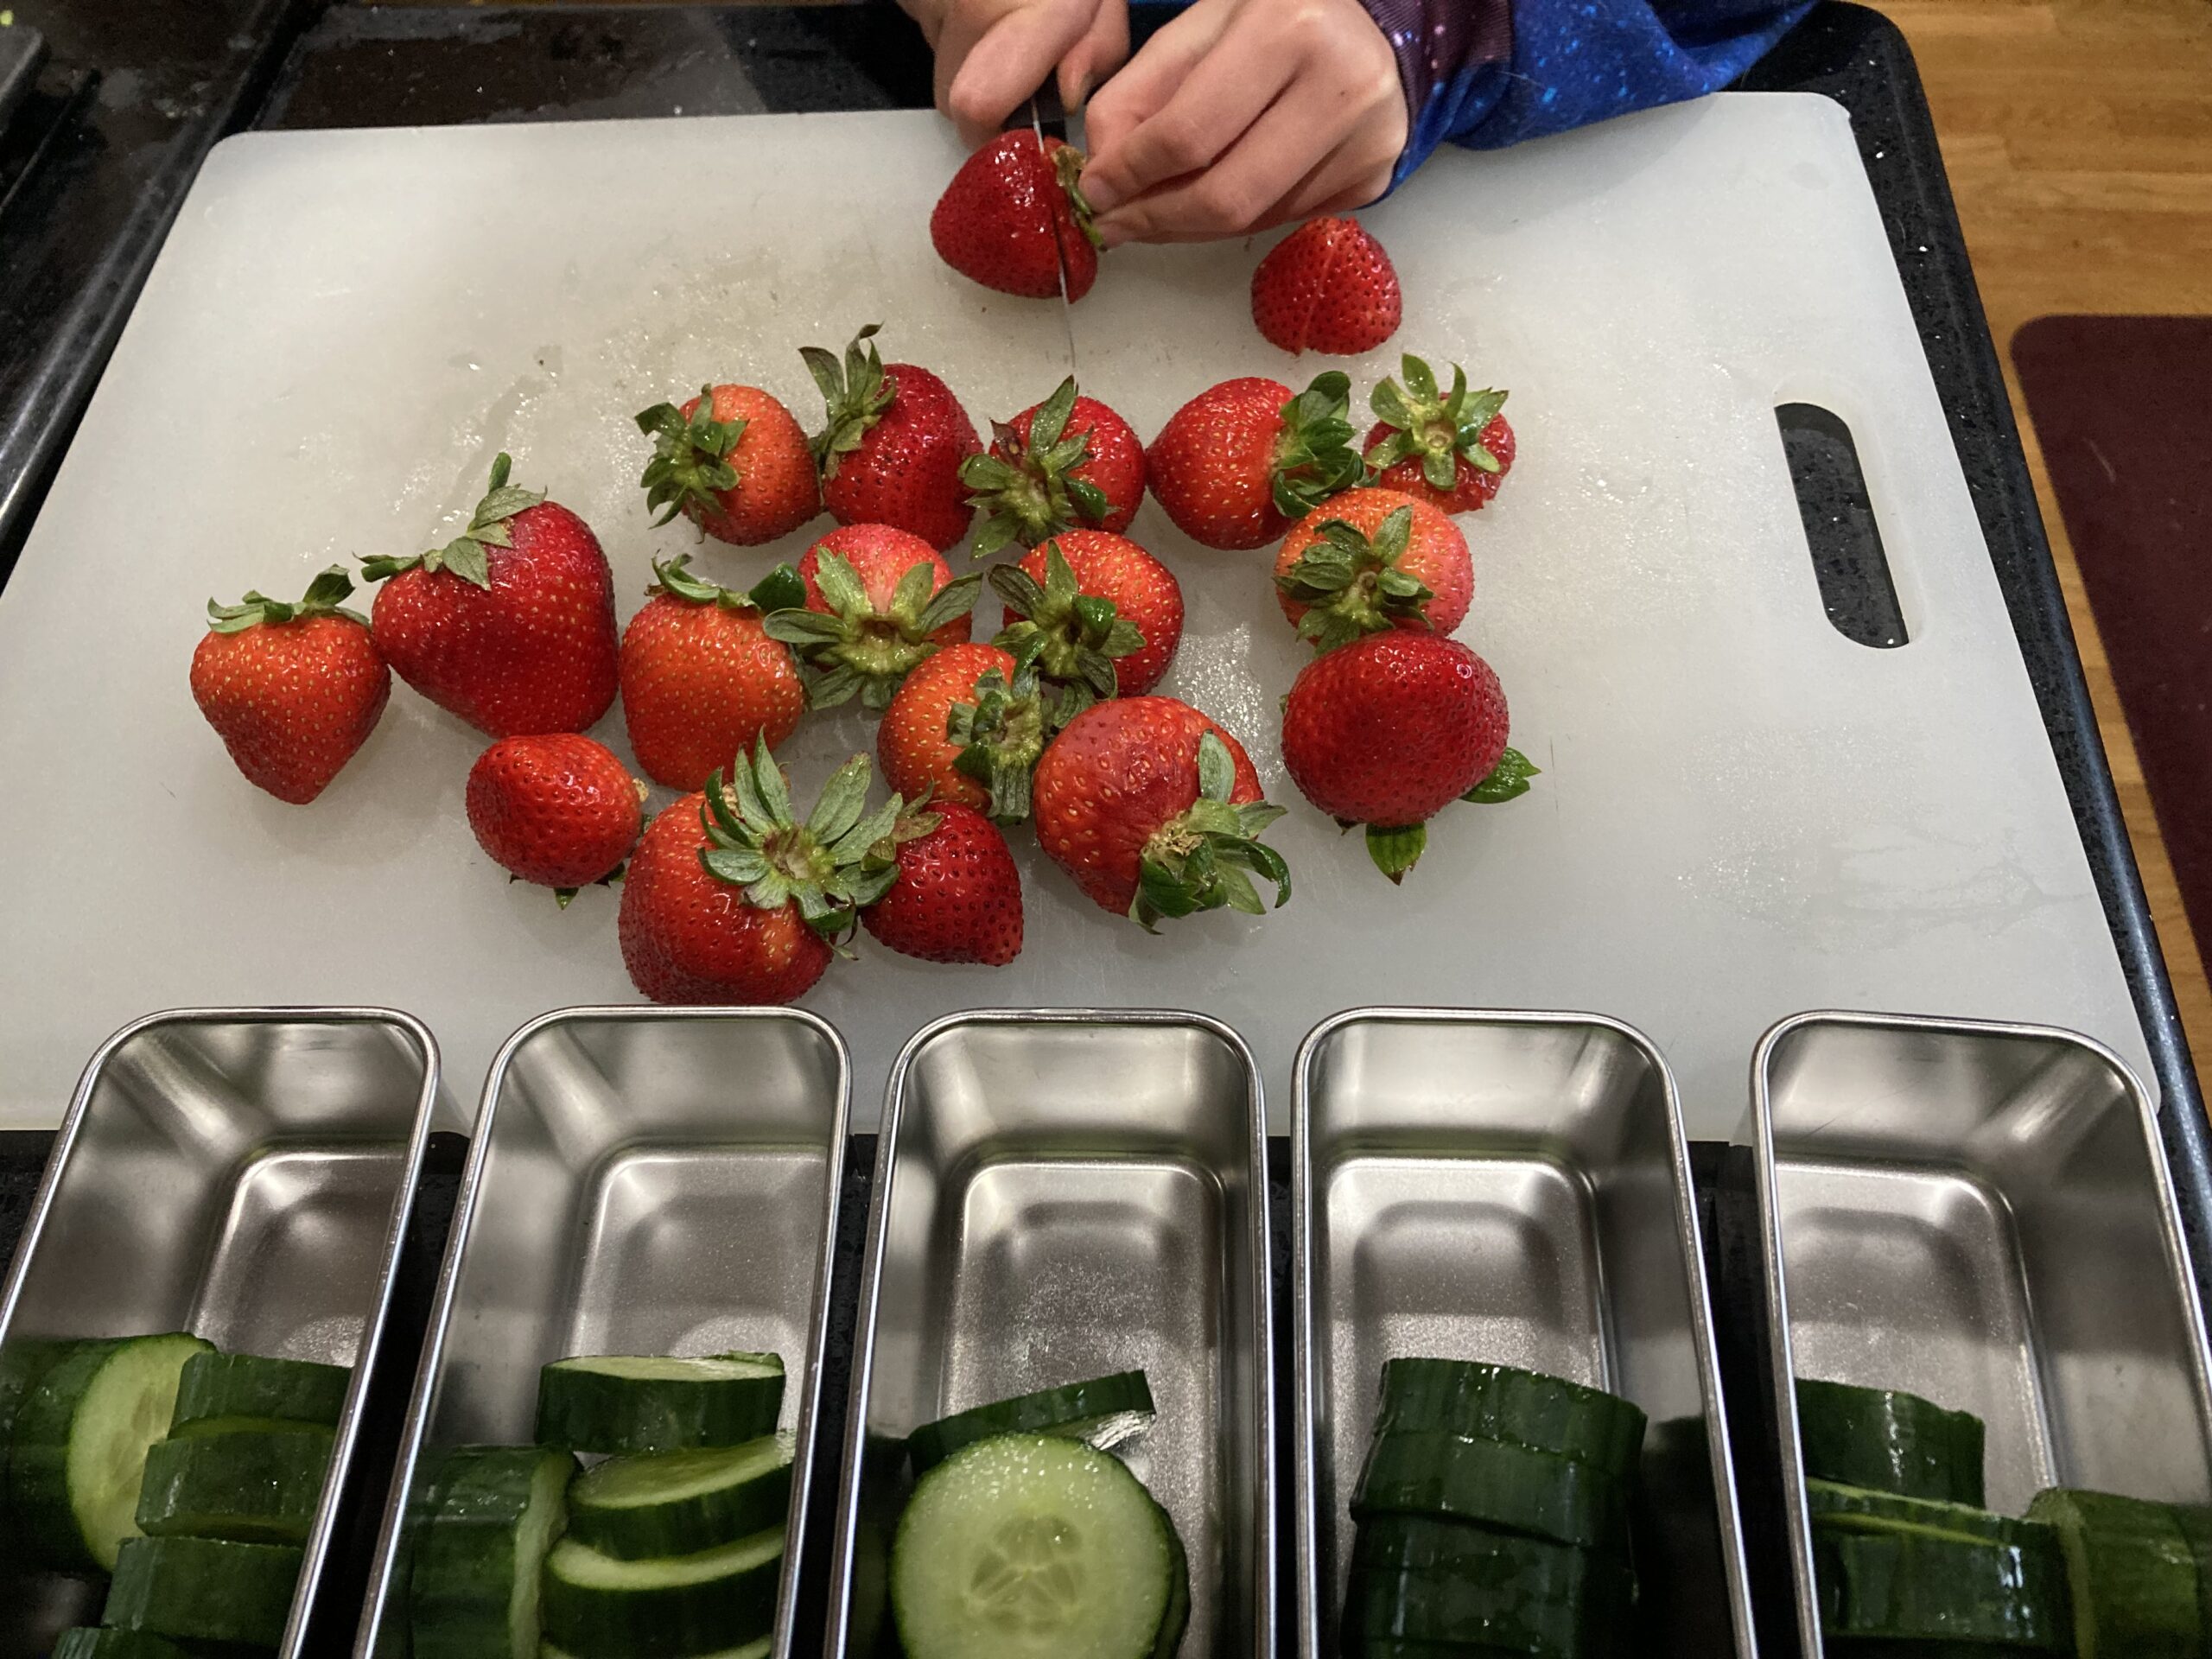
1854 1509
1032 1547
256 1486
2132 1573
623 1403
679 1502
1888 1441
86 1643
598 1607
1499 1402
2196 1522
80 1445
1177 1618
1559 1612
474 1589
23 1362
246 1385
204 1588
759 1649
1510 1488
1928 1587
1103 1412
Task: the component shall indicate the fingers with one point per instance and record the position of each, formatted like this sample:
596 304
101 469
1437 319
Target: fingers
991 54
1102 50
1148 81
1180 102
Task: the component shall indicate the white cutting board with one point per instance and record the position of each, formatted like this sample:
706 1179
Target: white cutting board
1742 813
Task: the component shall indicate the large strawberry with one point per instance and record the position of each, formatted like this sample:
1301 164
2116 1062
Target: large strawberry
956 896
1370 560
511 624
1068 461
968 724
1239 461
1155 811
734 461
1452 450
1014 219
1095 613
890 450
293 691
702 679
1327 287
878 602
1390 730
556 810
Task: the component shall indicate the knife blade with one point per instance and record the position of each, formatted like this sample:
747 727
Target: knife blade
1048 119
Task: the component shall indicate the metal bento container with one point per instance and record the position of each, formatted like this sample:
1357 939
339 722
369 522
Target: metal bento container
1979 1214
246 1175
1059 1195
641 1180
1510 1187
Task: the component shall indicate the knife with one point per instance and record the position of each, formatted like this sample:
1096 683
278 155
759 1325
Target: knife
1048 119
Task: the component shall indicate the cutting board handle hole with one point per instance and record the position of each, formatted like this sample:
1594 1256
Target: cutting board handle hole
1840 533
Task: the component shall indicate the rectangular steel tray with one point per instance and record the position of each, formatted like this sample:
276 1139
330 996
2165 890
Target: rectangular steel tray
1979 1214
246 1175
641 1180
1058 1195
1511 1187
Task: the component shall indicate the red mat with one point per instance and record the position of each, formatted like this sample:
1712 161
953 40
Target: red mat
2122 407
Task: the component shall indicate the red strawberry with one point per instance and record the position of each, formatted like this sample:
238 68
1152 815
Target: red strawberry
511 624
293 691
1370 560
957 896
1066 462
1155 811
968 724
1094 612
1451 449
700 677
734 461
557 809
1327 287
1014 217
1239 461
891 451
878 602
1390 730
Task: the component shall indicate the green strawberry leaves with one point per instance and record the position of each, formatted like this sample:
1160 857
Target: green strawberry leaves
468 555
690 466
322 598
1441 428
999 736
1029 492
1199 859
782 588
855 394
852 649
1353 585
824 866
1314 457
1507 779
1073 638
1396 848
1068 163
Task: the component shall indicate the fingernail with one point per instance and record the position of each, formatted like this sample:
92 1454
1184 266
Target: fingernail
1102 195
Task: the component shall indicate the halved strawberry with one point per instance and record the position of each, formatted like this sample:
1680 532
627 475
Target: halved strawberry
1327 287
1013 218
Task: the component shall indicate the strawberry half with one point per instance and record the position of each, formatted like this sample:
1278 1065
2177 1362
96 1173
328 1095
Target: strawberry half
1239 461
878 603
968 725
1014 217
734 461
957 895
891 447
1370 560
1451 449
1327 287
558 811
701 678
1067 462
1098 615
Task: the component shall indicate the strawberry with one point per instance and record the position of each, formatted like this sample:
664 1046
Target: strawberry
511 624
557 809
734 461
1155 811
956 896
1390 730
1370 560
293 691
968 724
891 449
1450 449
700 677
1327 287
1096 613
1066 462
878 601
1014 219
1239 461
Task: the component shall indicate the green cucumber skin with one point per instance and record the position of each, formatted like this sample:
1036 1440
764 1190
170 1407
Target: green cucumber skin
246 1385
1896 1587
253 1487
86 1642
1177 1618
591 1411
1844 1509
460 1584
659 1622
1559 1618
635 1532
1887 1441
1486 1401
204 1589
1047 1411
2132 1574
1510 1488
759 1649
24 1362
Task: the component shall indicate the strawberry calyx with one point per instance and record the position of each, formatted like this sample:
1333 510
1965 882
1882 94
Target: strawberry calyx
1029 492
1442 429
1314 458
782 588
855 394
1068 163
1353 585
1073 638
1198 859
468 555
1396 848
690 466
999 736
1506 780
854 649
329 586
823 865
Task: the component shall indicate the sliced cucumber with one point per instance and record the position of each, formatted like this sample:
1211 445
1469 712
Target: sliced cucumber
1103 1412
1032 1547
1511 1488
759 1649
1930 1587
1499 1402
598 1607
256 1486
80 1445
246 1385
680 1502
1888 1441
474 1589
1854 1509
1559 1611
86 1643
2132 1573
1177 1618
2196 1522
23 1362
624 1402
204 1588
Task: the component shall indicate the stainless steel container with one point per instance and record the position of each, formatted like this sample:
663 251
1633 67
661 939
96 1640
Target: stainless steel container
1979 1214
1059 1195
642 1180
243 1174
1511 1187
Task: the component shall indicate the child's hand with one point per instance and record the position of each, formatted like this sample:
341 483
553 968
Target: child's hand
992 55
1241 114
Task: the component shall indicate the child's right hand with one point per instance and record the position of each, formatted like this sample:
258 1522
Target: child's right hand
992 55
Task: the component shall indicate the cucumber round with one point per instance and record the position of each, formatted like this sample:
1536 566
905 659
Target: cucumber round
257 1486
1928 1587
1501 1402
1510 1488
2132 1572
1854 1508
23 1362
759 1649
598 1607
680 1502
1886 1440
1557 1614
246 1385
1032 1547
1177 1618
80 1445
473 1587
205 1589
627 1402
1103 1412
86 1642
